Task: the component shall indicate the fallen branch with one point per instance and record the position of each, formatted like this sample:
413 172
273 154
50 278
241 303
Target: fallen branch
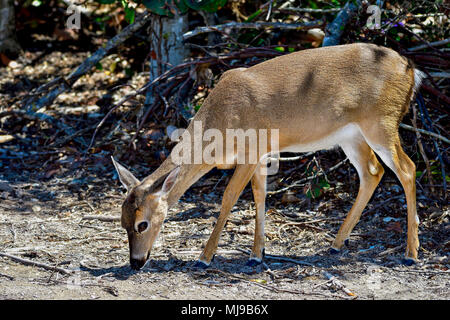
101 218
308 10
6 276
35 263
64 84
334 30
278 258
285 259
442 74
253 25
436 93
431 44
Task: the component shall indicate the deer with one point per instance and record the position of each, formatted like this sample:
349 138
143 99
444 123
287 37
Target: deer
350 96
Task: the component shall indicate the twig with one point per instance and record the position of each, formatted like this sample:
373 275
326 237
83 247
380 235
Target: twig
424 115
389 251
278 258
101 218
442 74
293 158
299 182
6 276
437 93
253 25
35 263
438 136
309 10
285 259
305 224
382 204
338 284
432 44
421 148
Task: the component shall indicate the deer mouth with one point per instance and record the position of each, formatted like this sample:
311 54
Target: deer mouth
138 264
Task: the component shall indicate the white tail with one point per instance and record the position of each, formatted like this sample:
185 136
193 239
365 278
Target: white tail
353 96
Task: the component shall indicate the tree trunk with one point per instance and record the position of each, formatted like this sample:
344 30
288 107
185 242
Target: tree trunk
8 41
166 46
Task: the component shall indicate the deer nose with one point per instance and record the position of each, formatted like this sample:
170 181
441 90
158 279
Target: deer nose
137 264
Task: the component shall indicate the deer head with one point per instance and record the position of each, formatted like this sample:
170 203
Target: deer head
143 212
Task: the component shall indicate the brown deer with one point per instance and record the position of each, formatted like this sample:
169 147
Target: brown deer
353 96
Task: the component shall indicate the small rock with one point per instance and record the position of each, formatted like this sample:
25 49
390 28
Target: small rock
36 208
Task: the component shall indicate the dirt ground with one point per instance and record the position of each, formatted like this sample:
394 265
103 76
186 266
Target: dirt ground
43 221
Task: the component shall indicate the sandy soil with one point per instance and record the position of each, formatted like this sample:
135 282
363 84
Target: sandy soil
43 221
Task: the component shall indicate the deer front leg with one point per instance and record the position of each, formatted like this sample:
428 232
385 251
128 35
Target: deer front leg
259 194
239 180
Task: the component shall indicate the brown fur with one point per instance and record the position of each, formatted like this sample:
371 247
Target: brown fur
308 96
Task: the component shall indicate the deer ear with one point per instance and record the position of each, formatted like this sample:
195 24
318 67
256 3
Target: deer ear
126 177
170 181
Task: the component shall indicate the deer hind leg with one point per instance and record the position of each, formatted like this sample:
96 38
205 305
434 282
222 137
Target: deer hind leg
242 175
370 172
259 182
389 149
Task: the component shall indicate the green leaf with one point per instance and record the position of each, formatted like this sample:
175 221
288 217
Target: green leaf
129 14
253 15
279 49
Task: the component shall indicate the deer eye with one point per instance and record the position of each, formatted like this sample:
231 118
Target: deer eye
142 226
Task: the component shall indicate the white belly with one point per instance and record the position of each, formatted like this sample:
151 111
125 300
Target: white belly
344 135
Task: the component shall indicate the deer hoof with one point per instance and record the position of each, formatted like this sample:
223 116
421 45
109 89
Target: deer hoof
252 262
201 265
408 261
334 251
